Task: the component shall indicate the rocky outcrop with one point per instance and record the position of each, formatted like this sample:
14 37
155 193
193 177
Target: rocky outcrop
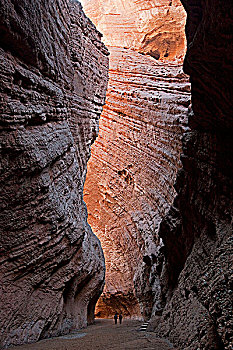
53 84
129 185
154 27
197 233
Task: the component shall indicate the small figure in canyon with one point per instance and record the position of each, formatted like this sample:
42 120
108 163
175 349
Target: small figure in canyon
115 318
120 318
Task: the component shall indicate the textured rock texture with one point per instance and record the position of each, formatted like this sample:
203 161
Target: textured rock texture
53 70
133 166
197 275
155 27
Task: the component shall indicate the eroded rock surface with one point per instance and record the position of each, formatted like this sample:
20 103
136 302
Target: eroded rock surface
197 233
53 84
154 27
133 166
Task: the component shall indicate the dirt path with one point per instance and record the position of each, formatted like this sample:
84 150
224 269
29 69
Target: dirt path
104 335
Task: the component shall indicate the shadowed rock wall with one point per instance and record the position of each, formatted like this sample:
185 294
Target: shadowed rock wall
53 70
197 275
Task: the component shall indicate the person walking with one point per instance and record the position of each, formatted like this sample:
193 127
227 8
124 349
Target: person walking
115 318
120 318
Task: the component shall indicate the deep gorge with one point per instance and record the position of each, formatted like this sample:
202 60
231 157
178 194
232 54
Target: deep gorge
129 185
159 182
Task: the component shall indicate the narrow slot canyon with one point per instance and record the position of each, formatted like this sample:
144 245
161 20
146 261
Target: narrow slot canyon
116 174
135 159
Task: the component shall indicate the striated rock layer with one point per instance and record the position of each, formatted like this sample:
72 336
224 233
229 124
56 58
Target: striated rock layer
53 83
197 275
154 27
133 166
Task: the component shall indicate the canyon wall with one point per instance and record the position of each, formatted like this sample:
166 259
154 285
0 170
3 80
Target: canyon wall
196 278
135 158
53 85
154 27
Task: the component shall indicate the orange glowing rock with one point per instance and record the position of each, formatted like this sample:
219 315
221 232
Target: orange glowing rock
134 162
131 172
154 27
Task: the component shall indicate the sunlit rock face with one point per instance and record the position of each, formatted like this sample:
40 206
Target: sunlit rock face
155 27
134 162
53 70
197 275
129 185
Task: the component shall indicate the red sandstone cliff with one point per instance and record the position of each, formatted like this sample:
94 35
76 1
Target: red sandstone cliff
155 27
53 70
131 172
134 162
195 275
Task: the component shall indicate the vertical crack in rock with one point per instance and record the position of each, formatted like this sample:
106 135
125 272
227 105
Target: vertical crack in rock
135 159
53 84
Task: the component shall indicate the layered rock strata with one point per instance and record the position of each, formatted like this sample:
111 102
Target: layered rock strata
154 27
53 84
197 233
133 166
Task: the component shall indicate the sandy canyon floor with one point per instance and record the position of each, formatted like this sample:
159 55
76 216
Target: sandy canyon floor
104 335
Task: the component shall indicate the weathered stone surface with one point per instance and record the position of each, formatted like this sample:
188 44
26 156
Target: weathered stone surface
53 70
197 275
154 27
133 166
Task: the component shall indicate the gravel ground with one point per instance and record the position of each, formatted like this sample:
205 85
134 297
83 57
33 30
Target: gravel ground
103 335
